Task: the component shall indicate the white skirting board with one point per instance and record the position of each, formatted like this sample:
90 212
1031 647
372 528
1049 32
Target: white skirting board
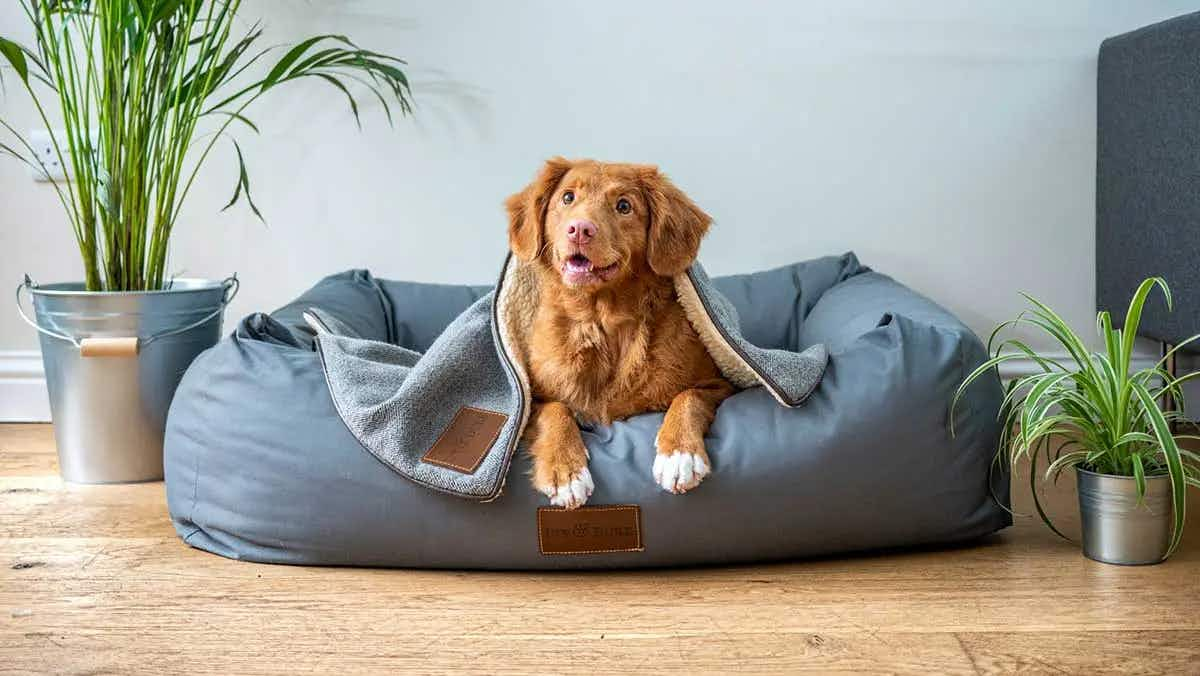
1019 368
23 396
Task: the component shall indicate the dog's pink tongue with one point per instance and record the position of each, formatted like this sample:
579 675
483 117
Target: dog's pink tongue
577 270
576 264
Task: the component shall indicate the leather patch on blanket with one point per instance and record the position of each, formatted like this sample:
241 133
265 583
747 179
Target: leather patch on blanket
466 440
590 530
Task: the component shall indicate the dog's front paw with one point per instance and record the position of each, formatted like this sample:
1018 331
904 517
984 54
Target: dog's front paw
565 487
679 471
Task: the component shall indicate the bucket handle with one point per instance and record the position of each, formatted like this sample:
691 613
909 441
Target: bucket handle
230 284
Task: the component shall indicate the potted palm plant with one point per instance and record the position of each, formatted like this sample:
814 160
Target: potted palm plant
1096 416
145 89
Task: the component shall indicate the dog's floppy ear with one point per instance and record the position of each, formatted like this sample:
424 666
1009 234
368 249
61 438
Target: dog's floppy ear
527 209
676 225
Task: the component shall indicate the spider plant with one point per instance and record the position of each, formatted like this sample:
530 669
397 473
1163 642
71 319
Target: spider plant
146 89
1093 412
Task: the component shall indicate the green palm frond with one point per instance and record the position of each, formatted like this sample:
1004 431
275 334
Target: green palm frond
133 80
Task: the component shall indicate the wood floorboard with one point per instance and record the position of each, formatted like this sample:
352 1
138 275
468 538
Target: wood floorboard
94 580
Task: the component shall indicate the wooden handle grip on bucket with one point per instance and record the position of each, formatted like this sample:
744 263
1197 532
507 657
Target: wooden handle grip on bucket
108 347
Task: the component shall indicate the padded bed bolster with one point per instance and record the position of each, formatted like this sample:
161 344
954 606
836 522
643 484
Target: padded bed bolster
260 467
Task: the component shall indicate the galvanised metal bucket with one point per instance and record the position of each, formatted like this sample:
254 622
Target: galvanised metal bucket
113 360
1116 526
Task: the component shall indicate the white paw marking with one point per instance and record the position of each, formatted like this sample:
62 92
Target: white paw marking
679 471
572 494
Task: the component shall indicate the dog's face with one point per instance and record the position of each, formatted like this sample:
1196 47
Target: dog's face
592 224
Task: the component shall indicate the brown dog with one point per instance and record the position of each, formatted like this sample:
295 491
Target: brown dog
609 339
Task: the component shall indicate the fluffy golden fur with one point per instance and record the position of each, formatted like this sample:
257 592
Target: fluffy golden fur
609 338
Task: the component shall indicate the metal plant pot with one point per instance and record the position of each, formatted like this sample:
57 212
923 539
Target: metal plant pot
113 361
1116 526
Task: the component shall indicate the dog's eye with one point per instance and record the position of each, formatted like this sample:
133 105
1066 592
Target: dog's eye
623 206
568 197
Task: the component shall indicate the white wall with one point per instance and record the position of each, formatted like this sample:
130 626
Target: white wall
950 143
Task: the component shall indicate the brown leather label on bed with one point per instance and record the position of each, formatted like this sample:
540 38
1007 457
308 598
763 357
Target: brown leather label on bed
466 440
590 530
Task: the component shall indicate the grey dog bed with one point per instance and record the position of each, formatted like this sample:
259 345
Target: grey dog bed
259 466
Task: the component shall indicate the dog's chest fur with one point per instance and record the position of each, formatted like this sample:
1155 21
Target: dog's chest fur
609 358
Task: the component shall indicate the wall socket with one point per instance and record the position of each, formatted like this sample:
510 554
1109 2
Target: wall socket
43 150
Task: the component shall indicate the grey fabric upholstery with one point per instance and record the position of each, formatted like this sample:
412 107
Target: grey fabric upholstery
1148 173
260 467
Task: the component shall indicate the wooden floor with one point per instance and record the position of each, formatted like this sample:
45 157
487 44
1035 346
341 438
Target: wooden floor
93 579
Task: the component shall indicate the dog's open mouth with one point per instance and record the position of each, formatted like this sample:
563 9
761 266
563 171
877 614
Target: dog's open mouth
579 270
